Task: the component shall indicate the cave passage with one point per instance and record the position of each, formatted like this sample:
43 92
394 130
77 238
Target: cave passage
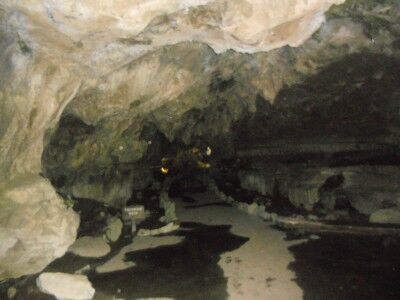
218 150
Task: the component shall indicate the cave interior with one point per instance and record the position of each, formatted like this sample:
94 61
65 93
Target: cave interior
200 150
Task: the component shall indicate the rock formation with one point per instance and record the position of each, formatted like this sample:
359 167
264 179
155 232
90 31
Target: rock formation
137 76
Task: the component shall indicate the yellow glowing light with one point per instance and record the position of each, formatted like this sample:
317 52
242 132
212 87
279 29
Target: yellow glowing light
203 165
164 170
208 151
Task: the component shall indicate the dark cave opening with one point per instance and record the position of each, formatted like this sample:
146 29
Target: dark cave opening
288 164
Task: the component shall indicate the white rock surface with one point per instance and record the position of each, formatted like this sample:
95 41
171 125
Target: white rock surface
65 286
35 226
90 247
105 29
388 216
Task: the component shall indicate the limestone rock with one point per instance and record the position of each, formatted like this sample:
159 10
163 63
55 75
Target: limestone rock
35 226
81 61
305 197
66 286
90 247
254 181
169 207
11 292
386 216
114 229
115 190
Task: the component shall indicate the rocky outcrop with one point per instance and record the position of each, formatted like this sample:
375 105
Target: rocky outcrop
253 181
304 196
111 189
367 189
35 226
89 246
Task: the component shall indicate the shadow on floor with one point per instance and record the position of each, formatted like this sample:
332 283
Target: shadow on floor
187 271
348 267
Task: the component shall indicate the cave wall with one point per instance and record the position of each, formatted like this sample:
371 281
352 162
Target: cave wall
53 52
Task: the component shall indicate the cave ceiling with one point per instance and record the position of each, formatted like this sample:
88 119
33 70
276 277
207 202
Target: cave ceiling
192 71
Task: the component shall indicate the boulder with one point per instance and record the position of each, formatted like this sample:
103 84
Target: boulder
88 246
114 229
35 226
65 286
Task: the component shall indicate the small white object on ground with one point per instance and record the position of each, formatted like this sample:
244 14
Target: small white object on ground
314 237
165 229
90 247
65 286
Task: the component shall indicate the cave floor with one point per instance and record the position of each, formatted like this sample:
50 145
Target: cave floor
222 253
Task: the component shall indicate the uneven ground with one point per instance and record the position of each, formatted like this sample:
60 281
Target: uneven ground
223 253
